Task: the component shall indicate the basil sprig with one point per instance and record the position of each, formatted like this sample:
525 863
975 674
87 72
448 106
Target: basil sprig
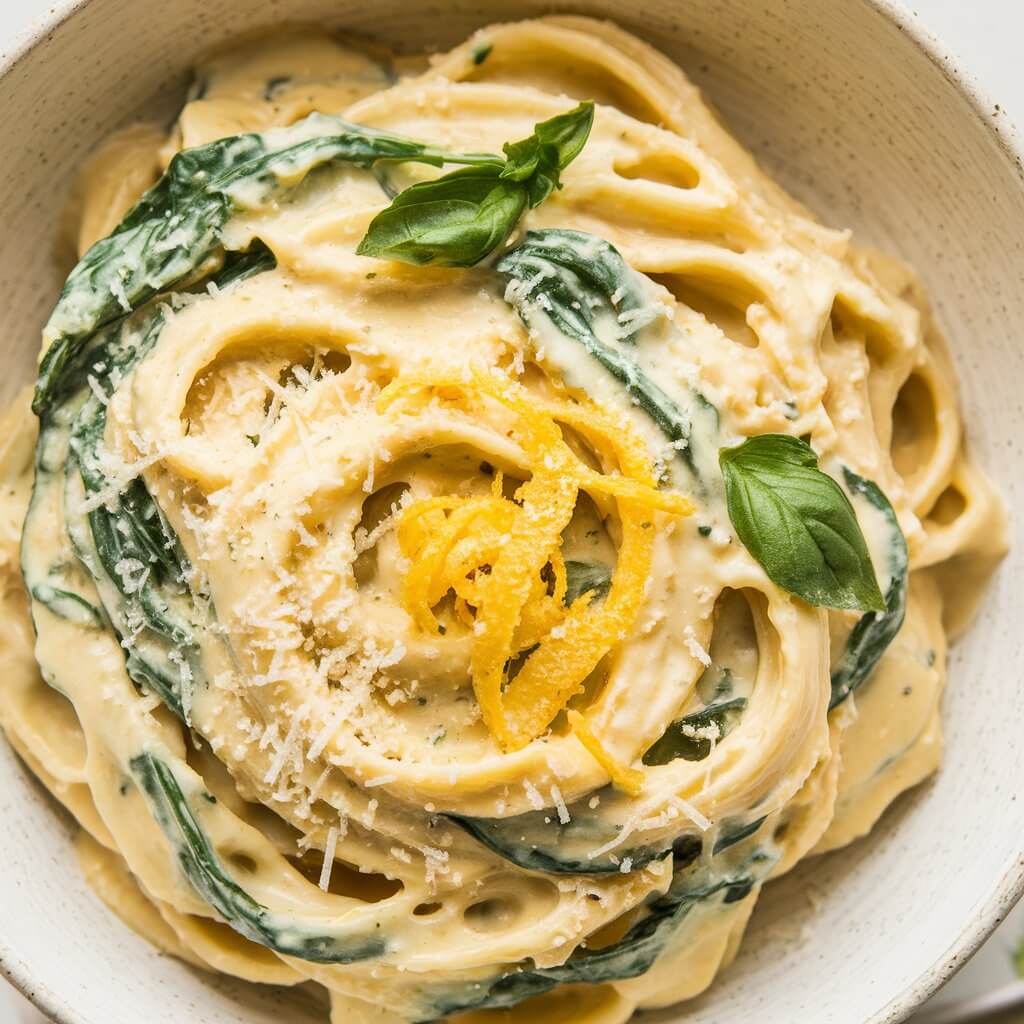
538 160
458 219
797 522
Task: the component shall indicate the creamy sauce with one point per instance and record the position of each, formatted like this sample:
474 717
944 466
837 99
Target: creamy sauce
335 743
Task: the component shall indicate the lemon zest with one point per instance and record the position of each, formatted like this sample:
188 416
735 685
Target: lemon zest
502 559
629 780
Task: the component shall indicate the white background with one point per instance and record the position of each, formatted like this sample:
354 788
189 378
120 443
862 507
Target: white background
985 36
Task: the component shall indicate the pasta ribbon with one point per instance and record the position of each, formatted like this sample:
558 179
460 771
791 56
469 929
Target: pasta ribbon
501 557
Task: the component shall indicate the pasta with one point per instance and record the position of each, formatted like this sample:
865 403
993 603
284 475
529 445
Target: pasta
473 623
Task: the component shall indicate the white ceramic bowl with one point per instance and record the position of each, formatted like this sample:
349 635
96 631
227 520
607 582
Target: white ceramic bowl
873 126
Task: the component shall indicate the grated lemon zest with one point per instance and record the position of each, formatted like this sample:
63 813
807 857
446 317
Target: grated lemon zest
502 559
629 780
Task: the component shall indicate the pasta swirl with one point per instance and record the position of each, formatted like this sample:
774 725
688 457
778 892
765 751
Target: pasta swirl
392 627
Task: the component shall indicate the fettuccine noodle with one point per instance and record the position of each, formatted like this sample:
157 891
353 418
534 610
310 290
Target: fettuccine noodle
383 642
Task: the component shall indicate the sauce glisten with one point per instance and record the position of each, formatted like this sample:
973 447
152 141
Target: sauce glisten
342 812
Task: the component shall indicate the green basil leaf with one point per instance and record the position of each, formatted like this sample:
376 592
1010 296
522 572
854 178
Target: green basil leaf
797 522
459 218
554 144
454 221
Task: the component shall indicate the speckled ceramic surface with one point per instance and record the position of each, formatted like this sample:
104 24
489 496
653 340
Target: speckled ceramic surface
866 122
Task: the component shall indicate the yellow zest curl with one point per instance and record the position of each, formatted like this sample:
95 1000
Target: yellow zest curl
629 780
502 557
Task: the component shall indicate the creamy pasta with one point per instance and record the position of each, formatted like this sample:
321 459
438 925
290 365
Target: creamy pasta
474 623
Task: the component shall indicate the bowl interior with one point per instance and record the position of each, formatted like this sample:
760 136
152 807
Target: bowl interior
871 130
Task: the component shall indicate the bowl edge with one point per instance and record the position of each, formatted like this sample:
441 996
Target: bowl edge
1009 888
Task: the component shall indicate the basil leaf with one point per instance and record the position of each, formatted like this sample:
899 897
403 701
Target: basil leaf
797 522
459 218
454 221
554 144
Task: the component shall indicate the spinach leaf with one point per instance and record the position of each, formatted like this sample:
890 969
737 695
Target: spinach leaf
66 604
275 85
733 833
540 841
691 737
572 276
797 522
460 218
568 279
586 577
143 582
175 228
630 957
207 875
128 549
873 633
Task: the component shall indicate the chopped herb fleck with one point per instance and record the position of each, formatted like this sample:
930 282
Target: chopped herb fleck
275 85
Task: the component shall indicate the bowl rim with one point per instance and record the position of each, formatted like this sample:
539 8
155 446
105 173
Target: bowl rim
1009 888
